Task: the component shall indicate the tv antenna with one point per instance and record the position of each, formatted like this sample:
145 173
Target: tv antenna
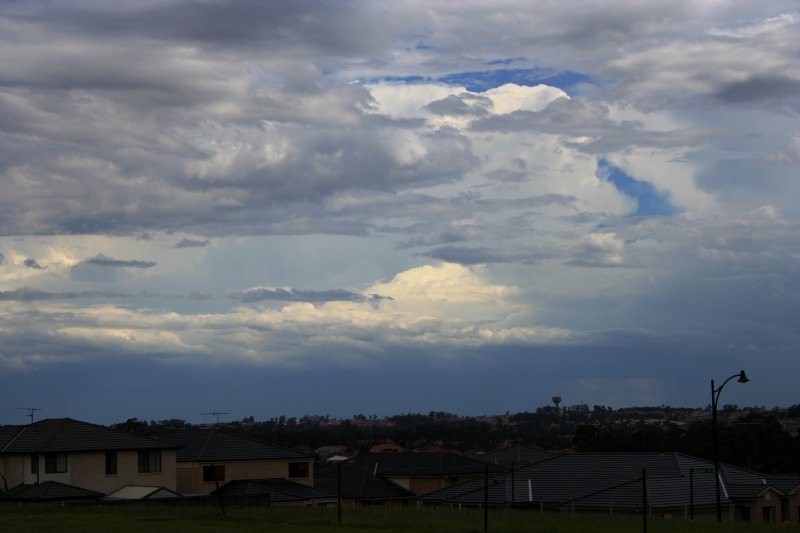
30 411
215 413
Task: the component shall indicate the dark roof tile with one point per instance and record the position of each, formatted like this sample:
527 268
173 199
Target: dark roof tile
358 482
213 444
59 435
278 489
48 491
422 464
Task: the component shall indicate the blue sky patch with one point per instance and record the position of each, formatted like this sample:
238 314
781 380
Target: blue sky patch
651 202
483 80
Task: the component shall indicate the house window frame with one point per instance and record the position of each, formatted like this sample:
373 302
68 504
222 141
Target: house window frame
149 461
296 470
56 463
111 463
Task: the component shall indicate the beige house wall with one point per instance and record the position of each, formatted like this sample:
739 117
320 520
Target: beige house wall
88 470
423 485
13 470
190 475
771 500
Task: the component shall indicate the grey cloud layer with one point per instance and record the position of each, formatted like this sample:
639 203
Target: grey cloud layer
169 116
293 295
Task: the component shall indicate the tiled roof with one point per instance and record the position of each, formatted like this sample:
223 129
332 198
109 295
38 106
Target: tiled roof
600 480
139 492
358 482
785 484
662 493
412 464
519 455
278 489
48 491
212 444
68 435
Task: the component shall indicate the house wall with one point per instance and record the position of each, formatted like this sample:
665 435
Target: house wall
424 485
793 504
88 470
190 474
13 469
773 501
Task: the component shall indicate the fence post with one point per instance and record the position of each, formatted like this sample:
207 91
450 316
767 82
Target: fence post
485 497
339 492
691 494
644 500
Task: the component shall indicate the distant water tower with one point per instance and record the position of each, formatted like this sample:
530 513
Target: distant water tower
557 401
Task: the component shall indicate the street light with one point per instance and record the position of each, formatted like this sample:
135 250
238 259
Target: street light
714 402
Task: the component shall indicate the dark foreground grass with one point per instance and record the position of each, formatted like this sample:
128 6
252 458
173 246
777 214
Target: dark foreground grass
201 519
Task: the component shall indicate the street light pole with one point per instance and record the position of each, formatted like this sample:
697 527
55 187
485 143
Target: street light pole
715 391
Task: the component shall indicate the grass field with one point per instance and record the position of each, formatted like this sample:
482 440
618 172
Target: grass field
184 519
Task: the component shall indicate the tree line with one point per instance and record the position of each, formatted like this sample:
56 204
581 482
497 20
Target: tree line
753 438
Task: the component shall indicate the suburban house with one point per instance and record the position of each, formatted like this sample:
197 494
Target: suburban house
56 454
423 472
678 486
209 457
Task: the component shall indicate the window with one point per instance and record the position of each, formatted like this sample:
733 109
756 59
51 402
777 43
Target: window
34 464
55 463
214 473
111 463
149 461
298 469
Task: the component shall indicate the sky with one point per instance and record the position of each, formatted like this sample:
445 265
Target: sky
269 208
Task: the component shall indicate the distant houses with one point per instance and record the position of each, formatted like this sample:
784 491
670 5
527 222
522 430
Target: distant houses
68 460
677 486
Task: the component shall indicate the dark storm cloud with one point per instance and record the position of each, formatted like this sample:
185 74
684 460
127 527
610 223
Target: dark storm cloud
340 27
425 235
31 263
762 88
259 294
30 295
103 261
752 183
2 259
189 243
